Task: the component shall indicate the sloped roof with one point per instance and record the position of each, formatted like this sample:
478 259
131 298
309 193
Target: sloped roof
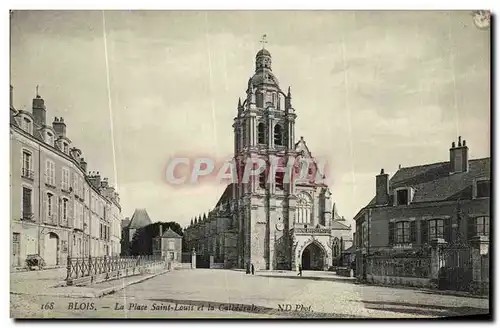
125 222
336 215
222 207
339 226
139 219
350 250
170 234
433 182
301 147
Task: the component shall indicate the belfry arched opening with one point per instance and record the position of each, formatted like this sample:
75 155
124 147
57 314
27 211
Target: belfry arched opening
312 257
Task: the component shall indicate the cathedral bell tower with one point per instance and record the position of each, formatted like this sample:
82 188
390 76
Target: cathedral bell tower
264 128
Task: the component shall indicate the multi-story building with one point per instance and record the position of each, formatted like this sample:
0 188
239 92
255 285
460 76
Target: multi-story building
57 209
168 245
270 221
128 227
428 222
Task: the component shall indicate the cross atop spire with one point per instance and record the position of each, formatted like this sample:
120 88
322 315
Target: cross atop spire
263 40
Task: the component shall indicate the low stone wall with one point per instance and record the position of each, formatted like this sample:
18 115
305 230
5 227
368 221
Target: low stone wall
344 272
185 266
217 266
480 288
400 281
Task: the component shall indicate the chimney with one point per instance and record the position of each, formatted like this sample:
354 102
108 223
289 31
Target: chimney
83 165
59 126
382 188
95 179
104 183
161 229
459 157
39 110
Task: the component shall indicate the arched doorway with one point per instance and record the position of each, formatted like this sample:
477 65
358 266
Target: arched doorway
313 257
51 254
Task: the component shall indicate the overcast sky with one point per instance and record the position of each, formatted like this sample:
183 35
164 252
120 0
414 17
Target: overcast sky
371 90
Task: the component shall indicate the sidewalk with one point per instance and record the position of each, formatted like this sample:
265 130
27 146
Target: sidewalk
428 290
28 282
306 275
43 284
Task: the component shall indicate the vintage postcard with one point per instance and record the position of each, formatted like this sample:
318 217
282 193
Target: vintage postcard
250 164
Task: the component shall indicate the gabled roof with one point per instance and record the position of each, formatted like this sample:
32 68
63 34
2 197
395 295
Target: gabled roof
139 219
433 182
222 205
335 215
336 225
301 148
170 234
125 222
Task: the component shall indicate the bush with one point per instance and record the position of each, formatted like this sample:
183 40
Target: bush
34 261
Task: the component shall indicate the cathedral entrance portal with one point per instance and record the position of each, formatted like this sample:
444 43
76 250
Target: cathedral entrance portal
312 257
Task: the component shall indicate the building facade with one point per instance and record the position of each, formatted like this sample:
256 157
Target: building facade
58 209
427 223
168 245
139 219
272 221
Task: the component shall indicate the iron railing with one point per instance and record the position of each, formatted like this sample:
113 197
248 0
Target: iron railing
80 267
29 174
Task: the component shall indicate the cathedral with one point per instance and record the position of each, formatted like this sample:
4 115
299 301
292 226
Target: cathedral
272 223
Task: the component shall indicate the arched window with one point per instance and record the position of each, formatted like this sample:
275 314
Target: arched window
261 133
50 139
262 180
278 135
259 99
304 205
27 125
280 180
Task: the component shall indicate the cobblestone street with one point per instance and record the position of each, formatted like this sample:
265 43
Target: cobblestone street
225 293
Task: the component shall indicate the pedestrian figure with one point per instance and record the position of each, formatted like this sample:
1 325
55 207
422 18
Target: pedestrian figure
253 270
248 268
300 271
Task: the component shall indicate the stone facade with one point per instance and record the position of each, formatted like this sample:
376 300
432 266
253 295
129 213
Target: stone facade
139 219
168 246
433 212
58 209
268 221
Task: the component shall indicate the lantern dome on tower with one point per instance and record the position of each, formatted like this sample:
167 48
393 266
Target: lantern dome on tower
263 71
263 52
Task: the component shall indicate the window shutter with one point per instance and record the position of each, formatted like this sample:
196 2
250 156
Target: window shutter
47 172
70 215
447 230
44 210
53 173
391 233
413 231
471 228
424 231
58 211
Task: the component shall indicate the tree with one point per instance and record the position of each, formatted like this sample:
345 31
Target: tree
142 241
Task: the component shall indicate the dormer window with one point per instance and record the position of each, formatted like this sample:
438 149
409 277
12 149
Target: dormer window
482 188
50 138
65 147
403 196
27 126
